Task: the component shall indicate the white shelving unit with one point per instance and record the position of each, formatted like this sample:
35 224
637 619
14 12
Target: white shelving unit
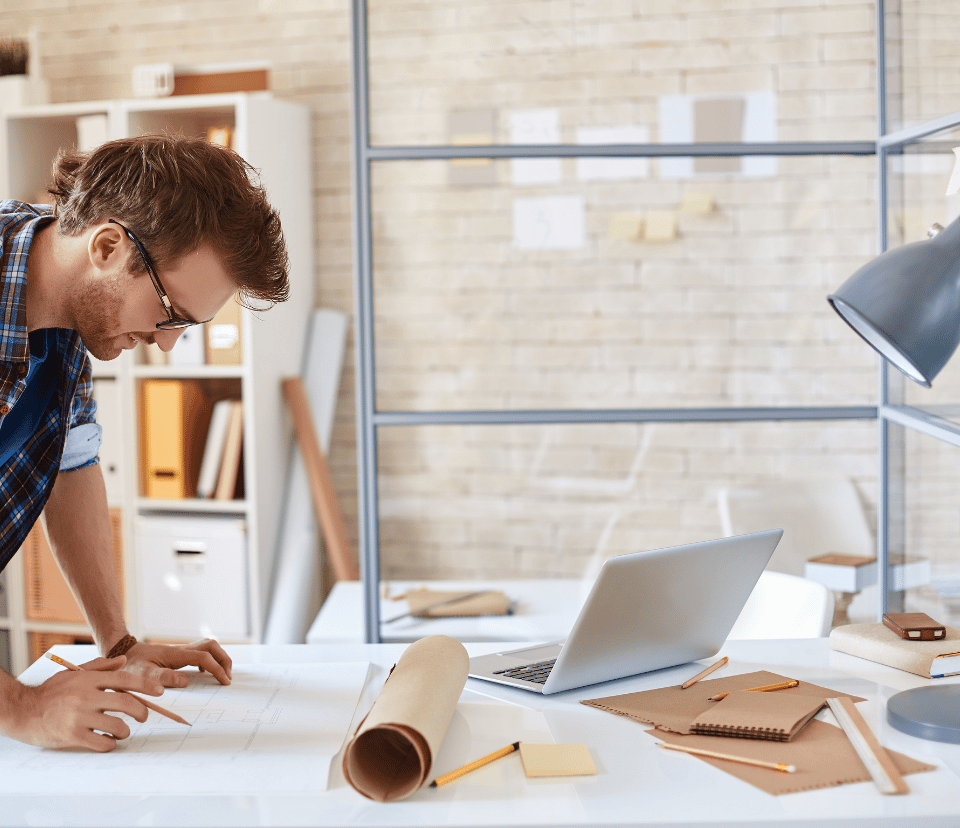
274 136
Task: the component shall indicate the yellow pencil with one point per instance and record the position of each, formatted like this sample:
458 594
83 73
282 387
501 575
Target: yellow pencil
152 705
715 666
486 760
779 766
783 685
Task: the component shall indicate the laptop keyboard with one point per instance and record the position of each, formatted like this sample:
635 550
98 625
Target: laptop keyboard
537 673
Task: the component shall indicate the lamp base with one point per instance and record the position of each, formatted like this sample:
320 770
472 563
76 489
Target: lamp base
927 712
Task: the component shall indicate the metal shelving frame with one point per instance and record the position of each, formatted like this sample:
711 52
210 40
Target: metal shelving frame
369 418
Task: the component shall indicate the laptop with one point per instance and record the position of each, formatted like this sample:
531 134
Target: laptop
646 611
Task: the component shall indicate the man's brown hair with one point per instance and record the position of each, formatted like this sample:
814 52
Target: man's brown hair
177 193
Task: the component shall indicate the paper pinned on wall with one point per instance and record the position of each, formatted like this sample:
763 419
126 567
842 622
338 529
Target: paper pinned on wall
612 168
535 126
954 186
275 729
553 223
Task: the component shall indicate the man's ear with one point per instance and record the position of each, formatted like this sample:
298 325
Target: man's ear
106 247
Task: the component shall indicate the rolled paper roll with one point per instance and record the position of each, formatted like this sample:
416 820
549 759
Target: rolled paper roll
392 752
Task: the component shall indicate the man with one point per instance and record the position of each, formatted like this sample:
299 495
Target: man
146 236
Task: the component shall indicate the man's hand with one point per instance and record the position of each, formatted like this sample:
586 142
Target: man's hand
69 710
162 661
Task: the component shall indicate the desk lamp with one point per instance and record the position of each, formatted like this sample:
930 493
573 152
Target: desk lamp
906 304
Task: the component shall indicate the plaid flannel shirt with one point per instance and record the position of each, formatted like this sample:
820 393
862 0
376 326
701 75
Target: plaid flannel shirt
28 476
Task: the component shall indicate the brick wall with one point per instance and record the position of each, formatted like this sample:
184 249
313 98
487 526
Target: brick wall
730 312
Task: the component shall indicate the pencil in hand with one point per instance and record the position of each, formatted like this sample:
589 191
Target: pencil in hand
149 704
479 763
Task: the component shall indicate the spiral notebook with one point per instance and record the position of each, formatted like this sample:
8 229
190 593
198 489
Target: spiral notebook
777 716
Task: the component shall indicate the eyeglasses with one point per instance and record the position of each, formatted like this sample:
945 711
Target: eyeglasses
173 321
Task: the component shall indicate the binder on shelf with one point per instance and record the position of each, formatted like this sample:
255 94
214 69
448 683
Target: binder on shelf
92 131
188 349
230 466
174 416
222 336
48 597
213 450
110 416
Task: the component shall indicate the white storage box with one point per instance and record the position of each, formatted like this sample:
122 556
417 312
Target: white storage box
192 577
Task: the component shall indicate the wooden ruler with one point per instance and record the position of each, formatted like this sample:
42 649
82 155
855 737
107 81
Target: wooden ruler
873 755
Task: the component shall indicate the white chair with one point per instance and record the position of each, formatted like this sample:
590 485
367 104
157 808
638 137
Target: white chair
818 516
785 606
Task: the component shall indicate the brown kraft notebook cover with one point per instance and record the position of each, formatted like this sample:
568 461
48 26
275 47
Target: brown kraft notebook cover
775 716
671 708
821 752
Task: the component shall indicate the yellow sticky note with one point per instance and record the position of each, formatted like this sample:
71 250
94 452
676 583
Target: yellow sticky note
954 186
556 760
625 225
661 225
698 203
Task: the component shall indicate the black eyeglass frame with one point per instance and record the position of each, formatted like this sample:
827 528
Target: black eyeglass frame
173 321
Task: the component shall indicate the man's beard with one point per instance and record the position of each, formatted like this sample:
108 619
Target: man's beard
95 312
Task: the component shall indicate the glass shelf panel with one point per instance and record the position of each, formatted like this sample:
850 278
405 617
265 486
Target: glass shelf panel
495 72
922 81
929 547
654 287
552 501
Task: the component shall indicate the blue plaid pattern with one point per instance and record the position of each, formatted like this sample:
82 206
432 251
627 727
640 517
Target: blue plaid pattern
28 476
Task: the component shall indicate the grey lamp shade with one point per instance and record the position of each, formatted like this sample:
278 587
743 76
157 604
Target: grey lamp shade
906 304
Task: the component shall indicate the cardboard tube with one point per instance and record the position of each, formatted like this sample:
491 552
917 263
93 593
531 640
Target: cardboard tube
392 752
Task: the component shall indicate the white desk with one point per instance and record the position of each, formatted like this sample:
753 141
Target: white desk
637 783
544 610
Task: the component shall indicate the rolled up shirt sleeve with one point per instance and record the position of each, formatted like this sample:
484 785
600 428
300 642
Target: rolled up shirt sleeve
82 446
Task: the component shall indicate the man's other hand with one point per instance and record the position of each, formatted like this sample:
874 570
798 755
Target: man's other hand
162 662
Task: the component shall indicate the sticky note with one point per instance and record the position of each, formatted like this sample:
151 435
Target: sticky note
556 760
625 226
697 203
661 225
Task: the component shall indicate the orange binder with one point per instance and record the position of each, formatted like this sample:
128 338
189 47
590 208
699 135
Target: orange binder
174 416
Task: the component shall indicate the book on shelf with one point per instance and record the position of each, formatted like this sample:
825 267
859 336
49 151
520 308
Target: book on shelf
231 467
213 449
875 642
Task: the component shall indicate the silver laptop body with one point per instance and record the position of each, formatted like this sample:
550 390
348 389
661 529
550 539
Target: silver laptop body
646 611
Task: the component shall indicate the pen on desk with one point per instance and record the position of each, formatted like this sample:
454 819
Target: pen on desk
437 604
486 760
779 766
715 666
783 685
152 705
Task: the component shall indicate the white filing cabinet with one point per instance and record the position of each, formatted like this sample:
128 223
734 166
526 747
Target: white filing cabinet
193 576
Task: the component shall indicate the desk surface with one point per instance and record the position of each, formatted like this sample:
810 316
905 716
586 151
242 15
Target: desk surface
543 610
636 784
